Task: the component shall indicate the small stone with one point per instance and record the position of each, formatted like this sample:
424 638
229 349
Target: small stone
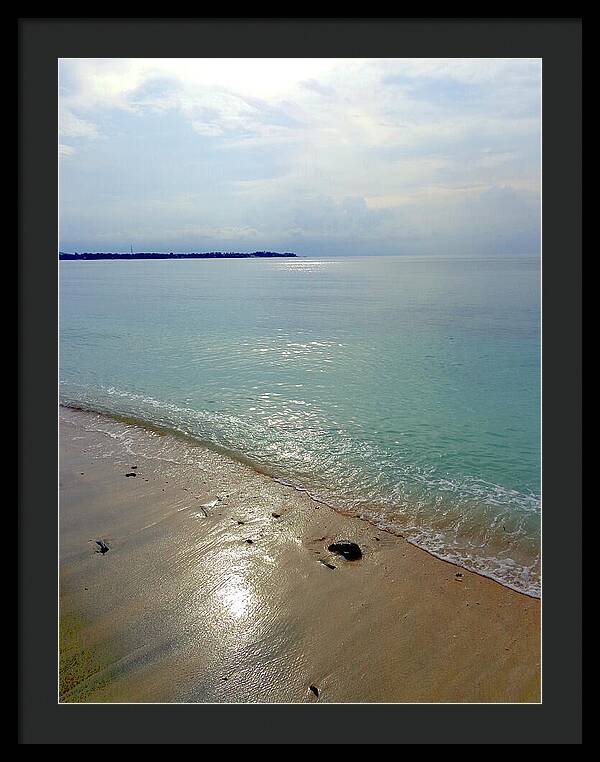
103 547
327 564
250 542
314 690
131 474
275 515
349 550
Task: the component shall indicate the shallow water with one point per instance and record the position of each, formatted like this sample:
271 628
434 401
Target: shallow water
402 388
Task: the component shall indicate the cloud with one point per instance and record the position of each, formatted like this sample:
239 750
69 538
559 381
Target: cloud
318 87
390 154
72 126
65 150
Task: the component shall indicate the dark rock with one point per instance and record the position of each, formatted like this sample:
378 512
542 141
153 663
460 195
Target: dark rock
275 515
103 547
349 550
314 689
241 523
131 474
133 467
327 564
250 542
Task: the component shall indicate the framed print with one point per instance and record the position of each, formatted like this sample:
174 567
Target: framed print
300 307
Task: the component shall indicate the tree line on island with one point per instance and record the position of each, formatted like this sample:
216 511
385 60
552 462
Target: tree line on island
161 255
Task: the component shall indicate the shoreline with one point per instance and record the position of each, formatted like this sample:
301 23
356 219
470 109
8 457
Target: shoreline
163 430
184 608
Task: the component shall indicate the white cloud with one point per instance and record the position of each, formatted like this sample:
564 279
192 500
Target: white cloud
72 126
276 147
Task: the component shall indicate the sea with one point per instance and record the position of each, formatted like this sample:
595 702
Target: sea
404 389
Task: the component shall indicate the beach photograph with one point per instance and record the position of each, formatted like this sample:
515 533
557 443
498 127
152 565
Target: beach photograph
299 380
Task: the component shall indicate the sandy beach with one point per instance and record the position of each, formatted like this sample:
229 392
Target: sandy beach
218 586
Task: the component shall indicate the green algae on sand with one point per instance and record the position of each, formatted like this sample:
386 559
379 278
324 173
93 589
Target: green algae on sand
84 669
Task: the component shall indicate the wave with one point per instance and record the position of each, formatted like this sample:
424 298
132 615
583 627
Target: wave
486 528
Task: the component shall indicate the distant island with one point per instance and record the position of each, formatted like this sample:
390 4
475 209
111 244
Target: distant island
161 255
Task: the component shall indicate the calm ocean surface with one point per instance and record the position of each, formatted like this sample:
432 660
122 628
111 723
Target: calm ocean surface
406 389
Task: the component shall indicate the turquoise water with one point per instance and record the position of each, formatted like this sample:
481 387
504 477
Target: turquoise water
406 389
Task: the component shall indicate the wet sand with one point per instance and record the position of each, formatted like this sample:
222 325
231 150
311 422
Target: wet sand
205 595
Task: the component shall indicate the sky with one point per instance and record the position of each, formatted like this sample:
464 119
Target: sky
321 157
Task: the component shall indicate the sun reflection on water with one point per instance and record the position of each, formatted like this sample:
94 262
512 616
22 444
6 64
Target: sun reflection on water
237 596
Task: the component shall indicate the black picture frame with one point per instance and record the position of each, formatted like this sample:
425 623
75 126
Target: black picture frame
558 718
